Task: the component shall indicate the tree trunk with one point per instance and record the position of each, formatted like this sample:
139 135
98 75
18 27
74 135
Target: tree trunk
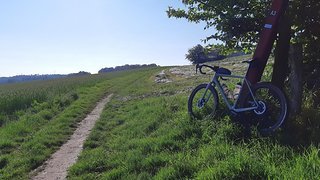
295 78
267 37
280 68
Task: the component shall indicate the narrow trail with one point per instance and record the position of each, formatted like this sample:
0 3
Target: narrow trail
57 165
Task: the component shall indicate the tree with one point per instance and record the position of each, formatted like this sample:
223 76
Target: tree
238 24
196 54
199 54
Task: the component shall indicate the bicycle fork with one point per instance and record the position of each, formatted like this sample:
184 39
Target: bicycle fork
203 100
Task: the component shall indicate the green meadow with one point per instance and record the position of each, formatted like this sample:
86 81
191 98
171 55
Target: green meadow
145 131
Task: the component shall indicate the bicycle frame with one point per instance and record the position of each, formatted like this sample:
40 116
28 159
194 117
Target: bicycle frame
215 82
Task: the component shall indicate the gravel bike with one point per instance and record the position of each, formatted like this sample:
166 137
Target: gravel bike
263 103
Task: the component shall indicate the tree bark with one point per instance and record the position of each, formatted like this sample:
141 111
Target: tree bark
295 78
280 68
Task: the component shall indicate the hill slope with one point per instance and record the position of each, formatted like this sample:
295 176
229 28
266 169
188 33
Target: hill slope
145 132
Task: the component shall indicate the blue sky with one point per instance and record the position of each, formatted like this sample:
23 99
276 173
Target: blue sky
64 36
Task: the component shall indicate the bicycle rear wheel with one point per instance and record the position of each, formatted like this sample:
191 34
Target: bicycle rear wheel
203 102
272 109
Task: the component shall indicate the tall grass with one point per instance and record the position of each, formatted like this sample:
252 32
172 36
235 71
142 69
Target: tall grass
27 142
14 97
145 132
153 137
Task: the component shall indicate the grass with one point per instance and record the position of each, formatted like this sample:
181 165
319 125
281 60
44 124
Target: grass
27 142
153 137
15 99
145 132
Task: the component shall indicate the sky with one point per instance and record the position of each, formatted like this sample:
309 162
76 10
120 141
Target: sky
68 36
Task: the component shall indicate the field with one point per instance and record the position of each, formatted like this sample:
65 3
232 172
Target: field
145 131
30 134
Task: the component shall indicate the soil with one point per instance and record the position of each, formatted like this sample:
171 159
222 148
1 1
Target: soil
56 167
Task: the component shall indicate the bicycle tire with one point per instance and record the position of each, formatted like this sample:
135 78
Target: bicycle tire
269 118
197 104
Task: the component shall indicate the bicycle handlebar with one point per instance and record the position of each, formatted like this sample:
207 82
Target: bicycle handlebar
200 66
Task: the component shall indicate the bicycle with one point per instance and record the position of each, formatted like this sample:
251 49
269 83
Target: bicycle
263 103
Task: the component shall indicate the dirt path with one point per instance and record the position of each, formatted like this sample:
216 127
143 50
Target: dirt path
56 167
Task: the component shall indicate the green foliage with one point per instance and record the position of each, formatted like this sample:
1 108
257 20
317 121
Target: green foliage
238 24
227 51
196 54
303 17
199 54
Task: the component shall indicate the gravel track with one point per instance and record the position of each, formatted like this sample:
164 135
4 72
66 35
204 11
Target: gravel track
57 165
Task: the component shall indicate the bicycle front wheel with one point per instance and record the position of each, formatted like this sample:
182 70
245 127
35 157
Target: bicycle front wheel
272 109
203 102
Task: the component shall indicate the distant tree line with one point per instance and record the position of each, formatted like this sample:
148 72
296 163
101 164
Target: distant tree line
125 67
24 78
80 73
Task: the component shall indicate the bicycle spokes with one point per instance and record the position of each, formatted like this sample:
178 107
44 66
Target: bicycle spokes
270 111
202 102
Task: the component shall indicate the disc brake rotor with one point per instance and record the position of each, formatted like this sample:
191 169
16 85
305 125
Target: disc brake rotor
262 108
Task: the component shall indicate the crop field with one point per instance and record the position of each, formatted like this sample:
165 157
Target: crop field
31 133
16 98
145 131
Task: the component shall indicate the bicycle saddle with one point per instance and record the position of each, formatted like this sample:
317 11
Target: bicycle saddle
222 70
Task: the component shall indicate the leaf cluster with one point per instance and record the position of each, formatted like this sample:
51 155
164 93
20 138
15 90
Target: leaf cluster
238 23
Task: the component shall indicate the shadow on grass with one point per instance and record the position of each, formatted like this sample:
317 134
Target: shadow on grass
297 133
